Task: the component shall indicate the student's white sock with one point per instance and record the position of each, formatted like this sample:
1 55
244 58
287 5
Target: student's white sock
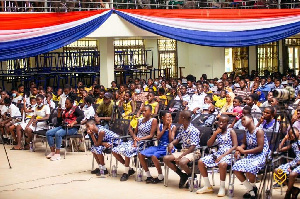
206 182
103 167
222 184
4 136
160 176
126 169
247 184
148 174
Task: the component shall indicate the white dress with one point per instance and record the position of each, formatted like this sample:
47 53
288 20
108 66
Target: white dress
45 110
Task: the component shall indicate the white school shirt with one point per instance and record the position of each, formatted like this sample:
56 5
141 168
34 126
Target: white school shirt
62 100
88 112
185 97
197 101
3 109
14 111
17 99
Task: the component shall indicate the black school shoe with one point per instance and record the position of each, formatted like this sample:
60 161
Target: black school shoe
149 180
248 196
131 172
97 170
105 172
156 180
183 180
124 177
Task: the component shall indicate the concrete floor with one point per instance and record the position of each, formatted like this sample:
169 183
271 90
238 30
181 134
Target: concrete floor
34 176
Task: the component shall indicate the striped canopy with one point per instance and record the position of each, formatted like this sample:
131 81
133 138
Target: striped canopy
29 34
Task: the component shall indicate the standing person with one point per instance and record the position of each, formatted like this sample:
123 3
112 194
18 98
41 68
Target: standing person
71 115
256 147
102 139
145 130
165 135
189 135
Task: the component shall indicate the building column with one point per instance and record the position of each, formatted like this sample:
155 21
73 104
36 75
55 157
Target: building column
252 58
106 48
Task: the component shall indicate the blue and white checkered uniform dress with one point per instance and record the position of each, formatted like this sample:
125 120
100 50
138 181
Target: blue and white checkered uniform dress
224 143
126 148
286 166
189 137
253 162
107 138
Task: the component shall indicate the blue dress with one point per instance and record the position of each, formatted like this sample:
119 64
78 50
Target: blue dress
126 148
224 143
109 135
286 166
252 163
161 149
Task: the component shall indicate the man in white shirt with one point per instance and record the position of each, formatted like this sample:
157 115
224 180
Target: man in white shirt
197 99
182 95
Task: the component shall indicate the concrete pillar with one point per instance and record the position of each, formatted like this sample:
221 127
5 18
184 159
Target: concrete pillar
252 58
106 47
280 56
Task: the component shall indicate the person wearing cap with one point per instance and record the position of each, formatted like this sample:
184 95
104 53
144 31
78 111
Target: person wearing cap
104 111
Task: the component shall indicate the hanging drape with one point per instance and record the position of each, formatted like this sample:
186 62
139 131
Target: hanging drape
221 28
30 34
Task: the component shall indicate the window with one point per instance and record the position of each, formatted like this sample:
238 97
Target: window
236 59
293 51
267 58
167 53
130 53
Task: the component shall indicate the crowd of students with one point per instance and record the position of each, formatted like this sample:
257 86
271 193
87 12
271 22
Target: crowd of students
241 102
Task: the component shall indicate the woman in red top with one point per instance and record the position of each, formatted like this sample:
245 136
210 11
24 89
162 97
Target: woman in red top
70 116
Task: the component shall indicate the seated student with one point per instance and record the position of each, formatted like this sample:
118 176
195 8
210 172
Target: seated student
145 130
189 135
71 115
139 94
183 96
228 107
17 98
256 147
21 90
88 109
296 119
237 109
220 100
237 122
165 135
29 111
99 99
152 102
128 105
63 97
102 139
226 140
207 103
11 114
38 121
269 100
267 121
207 118
58 94
162 96
49 101
291 168
250 101
33 93
114 86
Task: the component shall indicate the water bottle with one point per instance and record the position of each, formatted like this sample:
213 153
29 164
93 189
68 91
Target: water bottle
102 173
31 147
114 171
190 181
139 175
196 184
230 190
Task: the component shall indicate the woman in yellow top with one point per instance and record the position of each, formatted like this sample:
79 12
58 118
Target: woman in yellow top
152 102
128 106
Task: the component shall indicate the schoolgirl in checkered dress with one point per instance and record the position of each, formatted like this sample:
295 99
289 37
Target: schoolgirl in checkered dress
285 167
224 143
127 148
108 137
253 162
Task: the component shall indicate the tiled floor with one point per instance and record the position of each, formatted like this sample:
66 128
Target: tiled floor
33 176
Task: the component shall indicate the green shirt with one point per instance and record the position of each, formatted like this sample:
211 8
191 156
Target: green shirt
104 110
